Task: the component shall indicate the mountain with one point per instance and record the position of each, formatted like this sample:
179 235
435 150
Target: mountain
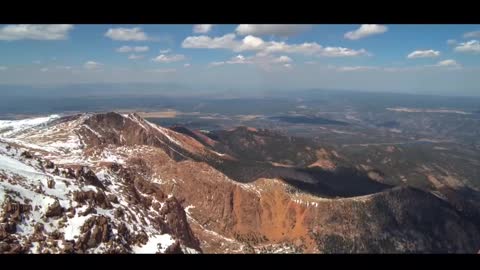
116 183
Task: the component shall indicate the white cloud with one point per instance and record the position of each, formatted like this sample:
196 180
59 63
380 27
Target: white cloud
165 51
473 34
252 43
448 63
205 42
340 52
202 28
423 54
282 30
3 68
310 62
35 31
264 61
356 68
239 59
304 48
287 65
44 69
164 58
451 42
92 65
187 65
282 59
135 56
126 49
366 30
36 62
472 46
127 34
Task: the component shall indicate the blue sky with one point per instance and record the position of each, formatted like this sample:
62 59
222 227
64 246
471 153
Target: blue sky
442 59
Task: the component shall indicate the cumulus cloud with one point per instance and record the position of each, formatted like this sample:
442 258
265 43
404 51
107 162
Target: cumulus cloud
423 54
135 56
282 30
282 59
127 34
205 42
340 52
44 69
366 30
472 46
187 65
3 68
239 59
356 68
252 43
202 28
164 58
448 63
35 31
165 51
92 65
473 34
264 61
126 49
313 48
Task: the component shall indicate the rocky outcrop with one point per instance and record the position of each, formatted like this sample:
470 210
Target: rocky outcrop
54 210
88 177
94 231
92 198
177 223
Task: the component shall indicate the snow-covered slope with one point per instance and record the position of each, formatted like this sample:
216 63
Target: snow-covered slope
83 204
12 127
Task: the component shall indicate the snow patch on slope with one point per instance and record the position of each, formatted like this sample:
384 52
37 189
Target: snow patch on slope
156 243
10 127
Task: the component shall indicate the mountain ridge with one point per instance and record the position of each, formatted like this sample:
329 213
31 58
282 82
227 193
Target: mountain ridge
205 194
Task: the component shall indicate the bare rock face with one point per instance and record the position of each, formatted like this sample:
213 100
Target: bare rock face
51 183
95 230
93 198
26 154
176 220
49 164
54 210
174 249
13 211
89 177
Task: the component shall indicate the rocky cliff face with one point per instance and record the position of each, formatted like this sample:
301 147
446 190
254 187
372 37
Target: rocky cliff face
113 183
